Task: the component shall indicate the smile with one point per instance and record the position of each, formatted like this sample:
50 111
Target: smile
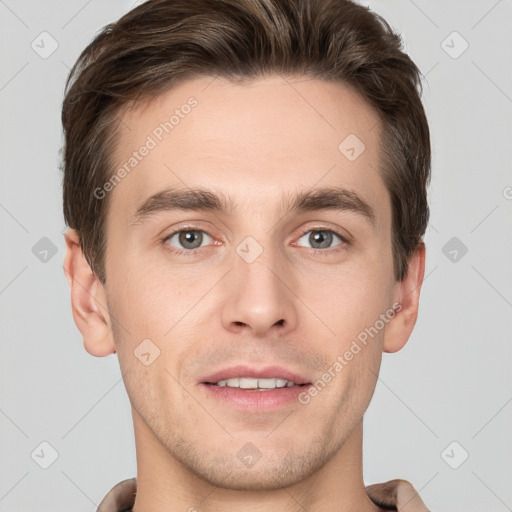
255 384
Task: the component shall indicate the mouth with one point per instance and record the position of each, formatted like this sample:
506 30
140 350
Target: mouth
252 384
254 389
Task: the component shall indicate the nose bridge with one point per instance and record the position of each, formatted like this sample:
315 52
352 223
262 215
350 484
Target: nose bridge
259 299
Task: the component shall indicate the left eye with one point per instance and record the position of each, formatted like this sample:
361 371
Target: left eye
320 238
189 239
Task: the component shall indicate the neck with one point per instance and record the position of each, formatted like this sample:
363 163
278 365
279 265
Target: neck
165 484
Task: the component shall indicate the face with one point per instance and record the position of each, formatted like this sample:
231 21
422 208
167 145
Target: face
272 269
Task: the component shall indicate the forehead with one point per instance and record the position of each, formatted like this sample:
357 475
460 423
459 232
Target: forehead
257 140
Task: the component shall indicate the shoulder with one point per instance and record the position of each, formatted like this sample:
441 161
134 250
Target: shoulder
392 495
396 493
120 498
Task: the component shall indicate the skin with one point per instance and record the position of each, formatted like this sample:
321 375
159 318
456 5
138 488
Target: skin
256 142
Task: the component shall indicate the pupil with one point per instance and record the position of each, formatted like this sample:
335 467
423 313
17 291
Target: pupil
323 238
191 238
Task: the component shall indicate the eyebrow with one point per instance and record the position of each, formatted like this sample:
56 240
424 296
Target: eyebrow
199 199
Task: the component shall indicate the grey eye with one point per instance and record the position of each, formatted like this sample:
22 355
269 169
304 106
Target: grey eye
188 239
320 238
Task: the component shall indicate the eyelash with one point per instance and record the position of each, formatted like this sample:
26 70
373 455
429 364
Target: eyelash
326 252
192 252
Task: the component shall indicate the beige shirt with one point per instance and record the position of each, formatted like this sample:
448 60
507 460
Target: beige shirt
392 495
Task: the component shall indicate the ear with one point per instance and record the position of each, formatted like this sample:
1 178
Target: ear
407 296
88 300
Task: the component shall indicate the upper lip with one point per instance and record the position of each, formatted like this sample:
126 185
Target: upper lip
263 372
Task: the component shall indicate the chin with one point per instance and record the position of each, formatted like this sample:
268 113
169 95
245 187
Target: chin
271 471
249 479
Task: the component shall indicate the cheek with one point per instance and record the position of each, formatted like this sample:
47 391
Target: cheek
148 302
156 315
351 304
348 300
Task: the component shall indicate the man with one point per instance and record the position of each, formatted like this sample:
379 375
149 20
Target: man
245 186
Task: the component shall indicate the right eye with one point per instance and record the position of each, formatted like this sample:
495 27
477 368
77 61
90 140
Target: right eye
187 240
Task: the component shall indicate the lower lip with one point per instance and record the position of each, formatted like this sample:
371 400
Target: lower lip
255 400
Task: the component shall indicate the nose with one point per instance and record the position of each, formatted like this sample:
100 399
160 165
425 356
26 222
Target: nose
260 298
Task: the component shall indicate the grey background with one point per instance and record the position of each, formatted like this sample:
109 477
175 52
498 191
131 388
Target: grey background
450 383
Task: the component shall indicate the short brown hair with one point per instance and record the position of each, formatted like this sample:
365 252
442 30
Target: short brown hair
161 42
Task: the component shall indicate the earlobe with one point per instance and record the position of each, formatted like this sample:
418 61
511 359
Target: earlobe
407 295
88 300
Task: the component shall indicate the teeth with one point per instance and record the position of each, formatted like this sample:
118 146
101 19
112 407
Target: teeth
268 383
249 383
